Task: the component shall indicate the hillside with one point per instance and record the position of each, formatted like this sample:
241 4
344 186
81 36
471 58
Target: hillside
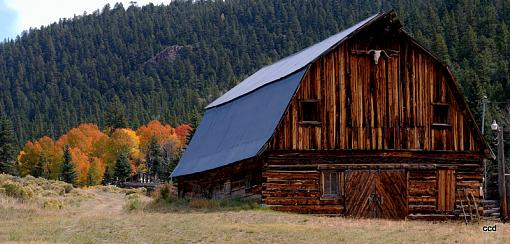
168 62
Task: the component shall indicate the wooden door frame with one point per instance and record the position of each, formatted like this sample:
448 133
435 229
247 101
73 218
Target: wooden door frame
375 177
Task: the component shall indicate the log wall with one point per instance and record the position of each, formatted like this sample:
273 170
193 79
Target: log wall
212 183
292 182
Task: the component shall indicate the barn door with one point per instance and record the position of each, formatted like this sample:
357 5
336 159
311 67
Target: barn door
376 194
446 189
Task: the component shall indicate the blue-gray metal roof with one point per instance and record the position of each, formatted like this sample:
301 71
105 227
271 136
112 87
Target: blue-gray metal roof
288 65
237 125
238 130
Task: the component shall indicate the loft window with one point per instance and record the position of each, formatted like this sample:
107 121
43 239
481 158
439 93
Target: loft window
332 184
309 112
440 114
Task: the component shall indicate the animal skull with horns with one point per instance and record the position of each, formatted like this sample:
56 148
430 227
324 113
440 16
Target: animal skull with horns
377 54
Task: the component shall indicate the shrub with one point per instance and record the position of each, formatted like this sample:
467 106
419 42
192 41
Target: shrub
49 193
165 193
16 190
52 203
67 187
133 202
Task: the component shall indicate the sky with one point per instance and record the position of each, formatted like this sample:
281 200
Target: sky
19 15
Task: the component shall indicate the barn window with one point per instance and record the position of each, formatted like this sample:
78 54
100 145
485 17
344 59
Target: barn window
309 112
217 193
332 183
440 114
226 187
247 182
446 189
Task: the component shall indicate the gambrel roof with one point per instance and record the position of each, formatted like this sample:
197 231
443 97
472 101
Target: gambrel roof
237 125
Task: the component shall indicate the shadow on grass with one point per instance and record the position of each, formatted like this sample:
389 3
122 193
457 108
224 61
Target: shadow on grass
165 200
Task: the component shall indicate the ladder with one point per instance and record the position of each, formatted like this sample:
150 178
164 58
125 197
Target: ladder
467 209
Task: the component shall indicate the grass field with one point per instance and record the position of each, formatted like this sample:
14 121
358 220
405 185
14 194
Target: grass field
100 216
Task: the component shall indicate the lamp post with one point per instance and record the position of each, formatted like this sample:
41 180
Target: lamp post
484 103
501 168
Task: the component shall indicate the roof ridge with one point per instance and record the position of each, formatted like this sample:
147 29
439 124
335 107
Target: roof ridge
290 64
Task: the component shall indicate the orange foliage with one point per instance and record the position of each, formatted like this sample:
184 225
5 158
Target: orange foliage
96 171
32 151
81 165
126 140
182 132
85 137
163 133
92 150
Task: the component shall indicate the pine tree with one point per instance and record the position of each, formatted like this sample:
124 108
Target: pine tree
122 168
108 176
68 171
154 159
40 169
115 116
7 147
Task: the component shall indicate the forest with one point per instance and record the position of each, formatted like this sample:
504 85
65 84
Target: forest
167 62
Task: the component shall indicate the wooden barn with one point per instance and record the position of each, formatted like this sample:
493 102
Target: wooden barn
367 123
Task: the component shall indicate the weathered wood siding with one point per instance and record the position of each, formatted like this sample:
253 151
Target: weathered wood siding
426 190
384 106
211 184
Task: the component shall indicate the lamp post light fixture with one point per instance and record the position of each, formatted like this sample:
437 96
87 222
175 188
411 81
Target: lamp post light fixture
501 169
494 125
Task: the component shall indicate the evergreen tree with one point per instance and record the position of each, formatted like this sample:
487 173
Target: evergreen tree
122 168
68 171
41 168
116 115
108 176
154 159
7 147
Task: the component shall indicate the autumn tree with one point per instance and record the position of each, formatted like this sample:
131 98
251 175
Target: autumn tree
95 172
81 162
162 133
122 168
32 152
183 133
94 155
87 137
68 171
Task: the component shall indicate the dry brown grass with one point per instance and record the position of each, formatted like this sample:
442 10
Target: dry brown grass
100 218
